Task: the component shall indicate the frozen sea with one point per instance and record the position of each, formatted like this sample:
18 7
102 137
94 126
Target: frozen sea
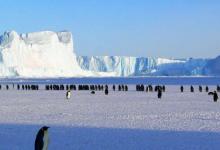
119 121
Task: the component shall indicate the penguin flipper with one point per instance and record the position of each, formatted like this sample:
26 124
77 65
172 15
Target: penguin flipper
39 143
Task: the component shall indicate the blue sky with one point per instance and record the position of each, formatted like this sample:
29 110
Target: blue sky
156 28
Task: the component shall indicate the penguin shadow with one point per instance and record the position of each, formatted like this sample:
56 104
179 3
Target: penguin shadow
22 137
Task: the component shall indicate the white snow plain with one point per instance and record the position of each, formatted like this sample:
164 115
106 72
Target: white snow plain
120 121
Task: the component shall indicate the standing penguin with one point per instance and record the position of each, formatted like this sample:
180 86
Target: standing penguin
42 139
7 87
68 94
106 91
159 94
218 88
192 89
207 89
113 87
181 89
200 88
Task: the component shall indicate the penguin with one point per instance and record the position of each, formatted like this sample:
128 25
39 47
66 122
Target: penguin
146 88
218 88
113 87
192 89
119 87
7 87
18 87
126 88
92 92
137 87
200 88
207 89
150 88
106 91
215 95
159 94
181 89
163 88
68 94
42 139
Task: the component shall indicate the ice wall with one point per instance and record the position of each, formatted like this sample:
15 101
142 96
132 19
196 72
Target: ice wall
39 54
140 66
51 54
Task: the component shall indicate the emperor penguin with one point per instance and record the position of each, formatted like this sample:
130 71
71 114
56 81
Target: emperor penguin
215 95
68 94
42 139
159 94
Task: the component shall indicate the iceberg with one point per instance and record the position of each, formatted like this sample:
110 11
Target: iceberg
139 66
39 54
51 54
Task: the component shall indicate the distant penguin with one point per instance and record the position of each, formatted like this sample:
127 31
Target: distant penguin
207 89
68 94
146 89
92 92
159 94
113 87
106 91
126 88
163 88
18 87
215 95
200 88
7 87
218 88
181 89
119 87
150 88
42 139
192 88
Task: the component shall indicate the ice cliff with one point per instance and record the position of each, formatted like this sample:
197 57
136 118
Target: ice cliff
39 54
140 66
51 54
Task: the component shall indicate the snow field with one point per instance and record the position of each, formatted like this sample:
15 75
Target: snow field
122 120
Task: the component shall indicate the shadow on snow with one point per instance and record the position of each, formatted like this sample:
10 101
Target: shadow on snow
21 137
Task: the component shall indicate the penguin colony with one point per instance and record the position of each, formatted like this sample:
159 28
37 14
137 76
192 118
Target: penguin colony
159 89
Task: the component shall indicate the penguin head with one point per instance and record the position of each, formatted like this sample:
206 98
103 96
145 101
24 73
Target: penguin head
45 128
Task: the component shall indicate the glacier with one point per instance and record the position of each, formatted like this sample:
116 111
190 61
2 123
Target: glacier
140 66
51 54
39 54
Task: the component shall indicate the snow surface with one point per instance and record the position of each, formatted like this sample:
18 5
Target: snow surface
122 120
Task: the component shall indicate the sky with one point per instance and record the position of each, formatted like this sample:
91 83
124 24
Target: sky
144 28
